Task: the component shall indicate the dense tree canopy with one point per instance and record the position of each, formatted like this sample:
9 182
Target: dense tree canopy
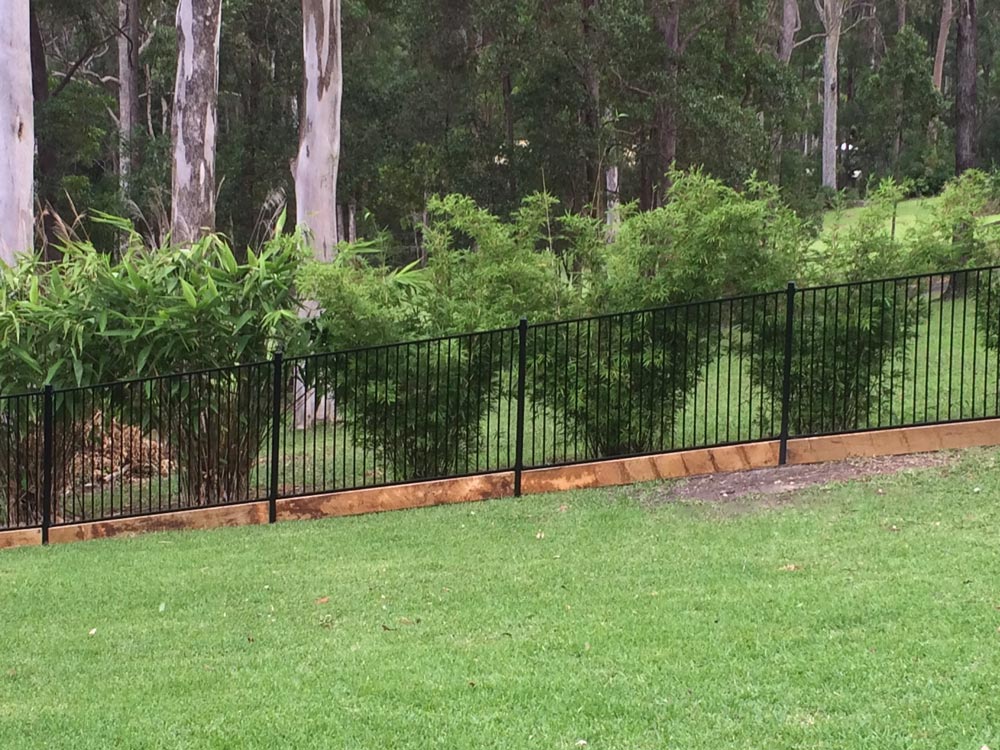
498 100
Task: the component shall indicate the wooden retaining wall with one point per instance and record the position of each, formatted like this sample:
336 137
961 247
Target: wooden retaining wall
579 476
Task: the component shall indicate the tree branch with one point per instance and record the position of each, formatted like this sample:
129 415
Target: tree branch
87 56
629 87
693 32
808 39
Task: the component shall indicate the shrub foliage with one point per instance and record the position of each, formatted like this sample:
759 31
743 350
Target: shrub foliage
94 318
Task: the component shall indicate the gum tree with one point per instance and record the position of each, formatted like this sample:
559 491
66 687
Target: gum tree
17 136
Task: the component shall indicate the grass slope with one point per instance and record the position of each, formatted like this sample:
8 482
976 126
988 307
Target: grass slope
864 616
909 214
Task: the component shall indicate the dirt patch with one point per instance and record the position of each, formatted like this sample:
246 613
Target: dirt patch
779 482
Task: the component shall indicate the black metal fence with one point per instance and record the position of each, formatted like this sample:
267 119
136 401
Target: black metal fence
800 362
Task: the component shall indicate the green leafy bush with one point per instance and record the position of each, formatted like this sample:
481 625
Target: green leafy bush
843 339
619 382
93 318
843 336
959 230
419 406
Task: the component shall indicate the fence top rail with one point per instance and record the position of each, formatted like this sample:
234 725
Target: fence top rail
967 272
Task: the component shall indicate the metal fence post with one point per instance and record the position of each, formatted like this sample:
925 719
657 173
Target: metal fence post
47 449
786 378
278 377
522 369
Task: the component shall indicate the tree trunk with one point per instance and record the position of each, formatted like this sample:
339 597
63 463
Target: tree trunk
832 15
318 161
666 147
352 221
900 15
647 158
873 37
734 11
341 223
666 18
965 92
48 160
790 24
612 201
193 119
128 88
17 131
897 149
591 109
944 30
318 158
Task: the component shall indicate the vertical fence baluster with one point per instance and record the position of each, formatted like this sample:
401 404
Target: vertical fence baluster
278 375
47 438
522 370
786 378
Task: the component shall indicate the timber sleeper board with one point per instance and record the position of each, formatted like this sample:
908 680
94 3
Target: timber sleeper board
622 471
244 514
398 497
20 538
894 442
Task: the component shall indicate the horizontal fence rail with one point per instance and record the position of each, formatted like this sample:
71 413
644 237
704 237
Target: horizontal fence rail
871 355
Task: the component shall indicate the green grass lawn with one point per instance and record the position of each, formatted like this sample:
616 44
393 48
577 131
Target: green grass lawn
595 616
909 214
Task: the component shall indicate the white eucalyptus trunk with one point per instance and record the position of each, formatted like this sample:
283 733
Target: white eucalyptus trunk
17 132
193 120
944 31
613 199
128 87
352 221
832 14
318 159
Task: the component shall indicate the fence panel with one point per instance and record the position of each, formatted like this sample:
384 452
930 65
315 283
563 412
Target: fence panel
405 412
653 381
870 355
21 444
896 353
159 444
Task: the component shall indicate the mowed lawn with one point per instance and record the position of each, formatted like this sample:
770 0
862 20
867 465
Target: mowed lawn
862 616
910 214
